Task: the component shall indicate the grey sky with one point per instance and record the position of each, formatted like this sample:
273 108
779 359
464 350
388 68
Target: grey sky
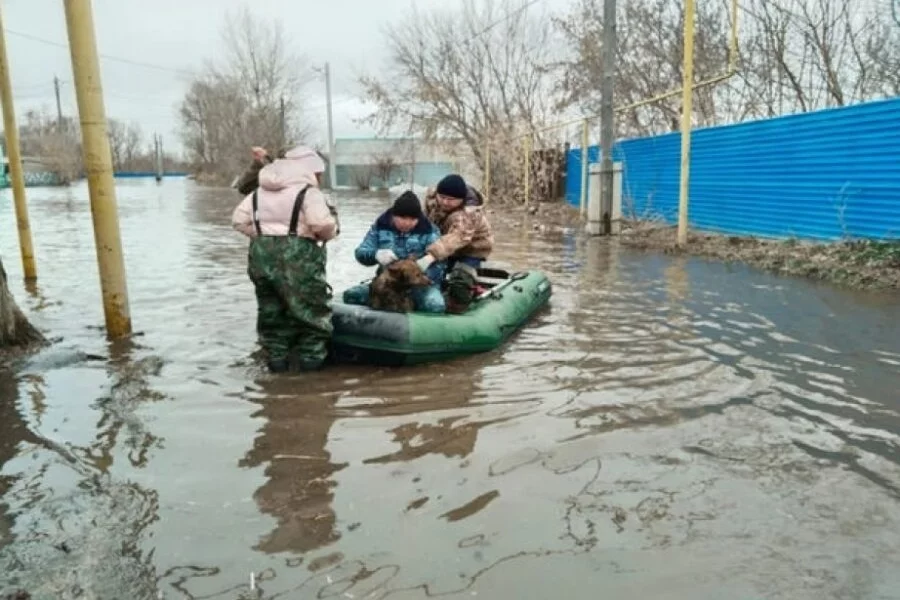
179 34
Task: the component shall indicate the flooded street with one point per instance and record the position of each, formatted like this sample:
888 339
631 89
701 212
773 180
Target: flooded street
666 428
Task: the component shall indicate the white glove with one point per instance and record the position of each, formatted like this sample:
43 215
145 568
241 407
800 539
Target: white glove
385 256
425 261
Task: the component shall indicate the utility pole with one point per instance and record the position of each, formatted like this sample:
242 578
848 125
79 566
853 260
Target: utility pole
283 127
59 116
331 157
160 170
412 163
98 166
15 163
585 159
607 115
686 125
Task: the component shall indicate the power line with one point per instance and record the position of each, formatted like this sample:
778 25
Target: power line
182 71
505 17
149 101
126 61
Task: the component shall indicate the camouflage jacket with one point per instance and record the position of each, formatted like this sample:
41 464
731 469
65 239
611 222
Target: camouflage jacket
465 231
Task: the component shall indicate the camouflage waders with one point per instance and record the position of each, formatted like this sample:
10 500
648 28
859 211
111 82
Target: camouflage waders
461 283
292 296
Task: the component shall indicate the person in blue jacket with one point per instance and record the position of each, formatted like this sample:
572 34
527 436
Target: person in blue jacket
402 231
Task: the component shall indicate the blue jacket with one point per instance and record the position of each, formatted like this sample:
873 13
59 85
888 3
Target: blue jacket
382 235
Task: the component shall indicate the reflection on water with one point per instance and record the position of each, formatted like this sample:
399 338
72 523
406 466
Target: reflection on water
75 526
669 427
291 447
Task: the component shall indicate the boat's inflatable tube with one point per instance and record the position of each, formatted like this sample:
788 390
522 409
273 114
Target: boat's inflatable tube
379 337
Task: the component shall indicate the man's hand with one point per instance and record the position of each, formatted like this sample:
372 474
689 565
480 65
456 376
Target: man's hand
425 262
385 256
259 153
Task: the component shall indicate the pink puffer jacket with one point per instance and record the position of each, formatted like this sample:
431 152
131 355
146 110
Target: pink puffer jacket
279 184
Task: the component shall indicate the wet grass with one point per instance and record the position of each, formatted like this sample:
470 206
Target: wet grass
857 264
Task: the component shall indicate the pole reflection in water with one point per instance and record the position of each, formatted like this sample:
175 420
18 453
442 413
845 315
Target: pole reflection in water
78 527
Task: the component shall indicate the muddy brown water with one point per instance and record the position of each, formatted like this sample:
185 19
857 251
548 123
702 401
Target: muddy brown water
666 428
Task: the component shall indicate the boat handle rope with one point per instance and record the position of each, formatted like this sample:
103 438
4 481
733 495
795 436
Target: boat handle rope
517 276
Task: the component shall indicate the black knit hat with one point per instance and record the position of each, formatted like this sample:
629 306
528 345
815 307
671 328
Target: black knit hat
407 205
454 186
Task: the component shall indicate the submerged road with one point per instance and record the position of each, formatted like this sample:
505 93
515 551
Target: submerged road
666 428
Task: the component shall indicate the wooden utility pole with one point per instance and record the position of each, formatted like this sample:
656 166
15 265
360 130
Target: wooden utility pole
607 116
59 115
98 166
15 163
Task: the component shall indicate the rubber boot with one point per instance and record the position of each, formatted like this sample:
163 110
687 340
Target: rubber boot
305 365
279 365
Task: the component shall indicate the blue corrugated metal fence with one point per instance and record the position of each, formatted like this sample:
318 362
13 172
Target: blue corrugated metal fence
821 175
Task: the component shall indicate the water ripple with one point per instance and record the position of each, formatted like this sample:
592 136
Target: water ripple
713 430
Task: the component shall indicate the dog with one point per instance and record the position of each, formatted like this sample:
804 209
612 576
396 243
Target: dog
390 289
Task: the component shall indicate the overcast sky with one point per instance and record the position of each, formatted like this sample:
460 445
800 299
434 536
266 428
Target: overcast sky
177 35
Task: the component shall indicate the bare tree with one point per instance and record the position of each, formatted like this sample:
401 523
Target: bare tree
794 55
649 61
15 329
362 176
384 164
474 73
236 103
812 54
125 142
883 49
58 148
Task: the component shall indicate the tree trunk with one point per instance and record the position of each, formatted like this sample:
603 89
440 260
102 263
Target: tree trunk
15 330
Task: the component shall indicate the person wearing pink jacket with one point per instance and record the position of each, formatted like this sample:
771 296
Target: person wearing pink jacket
288 220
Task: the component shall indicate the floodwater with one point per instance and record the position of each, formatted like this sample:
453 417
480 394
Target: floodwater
666 428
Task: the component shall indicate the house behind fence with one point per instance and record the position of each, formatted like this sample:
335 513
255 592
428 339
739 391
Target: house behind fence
378 163
824 175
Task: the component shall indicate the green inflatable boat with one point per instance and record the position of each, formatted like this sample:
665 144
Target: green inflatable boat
363 335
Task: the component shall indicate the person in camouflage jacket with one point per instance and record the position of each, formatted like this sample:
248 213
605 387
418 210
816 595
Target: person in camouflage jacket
457 210
288 219
466 238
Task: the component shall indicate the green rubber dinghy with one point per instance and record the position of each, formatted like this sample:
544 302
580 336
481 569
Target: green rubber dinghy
363 335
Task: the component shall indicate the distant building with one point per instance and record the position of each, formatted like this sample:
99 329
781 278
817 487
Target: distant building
35 172
378 163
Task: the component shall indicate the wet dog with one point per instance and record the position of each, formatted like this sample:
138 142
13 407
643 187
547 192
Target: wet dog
390 289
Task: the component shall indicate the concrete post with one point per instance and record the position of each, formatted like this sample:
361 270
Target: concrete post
594 214
595 195
582 201
616 218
